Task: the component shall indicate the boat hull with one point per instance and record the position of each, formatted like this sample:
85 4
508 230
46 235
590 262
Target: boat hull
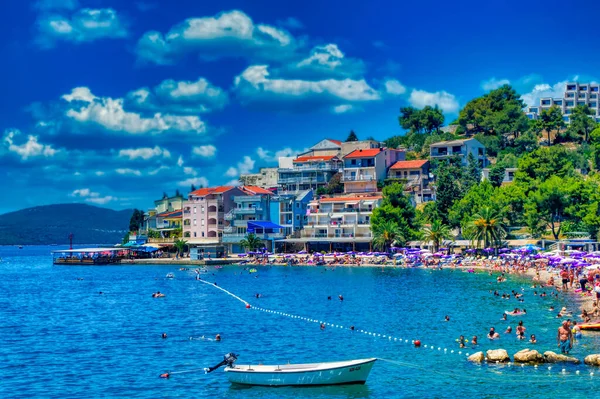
319 374
590 327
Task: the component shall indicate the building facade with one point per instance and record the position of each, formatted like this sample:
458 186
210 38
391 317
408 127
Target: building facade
204 214
509 174
364 168
289 211
415 176
164 217
265 178
250 211
307 172
461 148
575 94
339 223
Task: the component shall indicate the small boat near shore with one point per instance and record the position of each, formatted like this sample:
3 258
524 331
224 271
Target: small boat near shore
310 374
590 327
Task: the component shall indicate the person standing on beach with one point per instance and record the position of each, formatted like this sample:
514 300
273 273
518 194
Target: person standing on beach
564 275
565 337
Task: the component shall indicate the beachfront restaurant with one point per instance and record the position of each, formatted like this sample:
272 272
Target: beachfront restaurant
89 256
327 244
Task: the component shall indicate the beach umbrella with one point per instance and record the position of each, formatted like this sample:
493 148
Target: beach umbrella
302 252
565 261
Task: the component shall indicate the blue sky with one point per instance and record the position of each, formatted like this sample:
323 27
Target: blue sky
112 102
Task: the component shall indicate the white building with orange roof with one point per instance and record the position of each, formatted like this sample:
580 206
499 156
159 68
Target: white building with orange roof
307 172
415 177
364 168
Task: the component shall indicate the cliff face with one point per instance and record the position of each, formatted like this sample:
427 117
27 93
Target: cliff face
52 224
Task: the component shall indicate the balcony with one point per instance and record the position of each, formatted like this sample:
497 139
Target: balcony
166 240
313 166
246 211
302 180
229 215
351 177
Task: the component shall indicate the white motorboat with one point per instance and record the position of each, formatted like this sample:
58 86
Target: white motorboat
311 374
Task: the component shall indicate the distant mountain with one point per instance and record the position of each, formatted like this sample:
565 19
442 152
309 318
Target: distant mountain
51 224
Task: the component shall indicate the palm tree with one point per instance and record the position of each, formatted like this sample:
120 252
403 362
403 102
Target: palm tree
487 226
385 234
180 245
251 242
436 233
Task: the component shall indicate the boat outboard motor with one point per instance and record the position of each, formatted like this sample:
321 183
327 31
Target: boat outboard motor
228 360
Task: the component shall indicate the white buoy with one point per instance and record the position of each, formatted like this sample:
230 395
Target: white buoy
535 366
591 374
549 368
452 351
577 372
564 370
459 352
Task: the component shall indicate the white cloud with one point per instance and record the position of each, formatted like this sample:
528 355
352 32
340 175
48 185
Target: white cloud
254 86
234 182
494 83
444 100
270 156
544 90
180 161
179 97
128 171
144 153
394 87
92 196
205 151
189 171
325 61
196 181
29 149
109 113
342 109
243 167
84 25
228 34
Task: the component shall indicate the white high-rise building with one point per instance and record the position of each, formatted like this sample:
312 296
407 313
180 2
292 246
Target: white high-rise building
575 94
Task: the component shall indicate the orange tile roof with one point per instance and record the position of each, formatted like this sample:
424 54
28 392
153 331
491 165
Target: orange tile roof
255 190
346 199
314 158
367 153
203 192
409 164
338 142
171 214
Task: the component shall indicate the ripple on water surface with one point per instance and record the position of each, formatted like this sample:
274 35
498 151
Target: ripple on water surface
62 339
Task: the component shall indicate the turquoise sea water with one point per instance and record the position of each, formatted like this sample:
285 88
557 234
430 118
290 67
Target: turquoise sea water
62 339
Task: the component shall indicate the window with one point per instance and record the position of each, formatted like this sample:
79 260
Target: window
545 102
353 162
580 102
592 105
570 103
194 234
571 87
593 96
570 95
480 151
202 234
194 209
194 222
583 88
202 210
298 217
202 222
534 110
558 102
297 205
594 89
456 148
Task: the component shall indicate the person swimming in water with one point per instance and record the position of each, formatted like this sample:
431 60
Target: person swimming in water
474 340
532 339
493 334
461 341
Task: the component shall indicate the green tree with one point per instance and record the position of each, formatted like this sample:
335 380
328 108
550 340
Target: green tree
497 173
352 136
549 119
136 220
550 202
448 188
487 226
397 208
335 184
436 233
192 188
472 173
525 143
180 245
409 119
387 233
251 242
544 163
153 234
478 196
497 113
581 124
595 147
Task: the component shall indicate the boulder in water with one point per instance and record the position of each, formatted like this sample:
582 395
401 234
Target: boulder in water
497 355
552 357
529 356
592 360
478 357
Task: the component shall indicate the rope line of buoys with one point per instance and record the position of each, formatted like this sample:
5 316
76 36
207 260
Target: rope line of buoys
415 343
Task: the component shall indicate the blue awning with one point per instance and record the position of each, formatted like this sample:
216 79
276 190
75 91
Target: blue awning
258 224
